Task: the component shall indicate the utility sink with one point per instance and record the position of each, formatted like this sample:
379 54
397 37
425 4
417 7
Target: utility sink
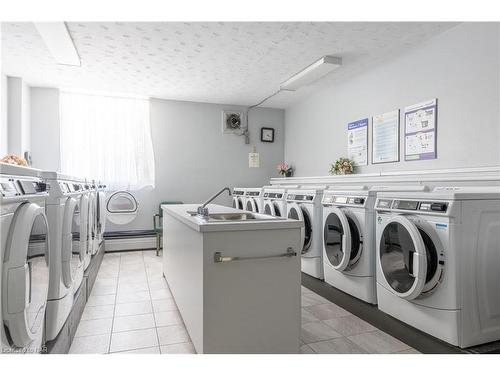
231 216
234 216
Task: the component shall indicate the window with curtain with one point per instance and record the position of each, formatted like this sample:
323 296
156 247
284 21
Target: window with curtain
107 139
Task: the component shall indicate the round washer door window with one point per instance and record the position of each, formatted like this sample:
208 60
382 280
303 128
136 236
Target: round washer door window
297 212
72 256
403 257
269 209
26 275
251 205
121 208
342 240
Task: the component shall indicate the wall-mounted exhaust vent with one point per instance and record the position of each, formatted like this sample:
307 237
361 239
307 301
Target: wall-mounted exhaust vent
232 122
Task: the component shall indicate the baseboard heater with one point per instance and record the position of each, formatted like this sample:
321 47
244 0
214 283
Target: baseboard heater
130 240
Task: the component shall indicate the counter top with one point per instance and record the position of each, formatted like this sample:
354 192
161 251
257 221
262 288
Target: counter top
180 212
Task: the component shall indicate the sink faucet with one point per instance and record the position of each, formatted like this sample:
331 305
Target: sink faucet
203 210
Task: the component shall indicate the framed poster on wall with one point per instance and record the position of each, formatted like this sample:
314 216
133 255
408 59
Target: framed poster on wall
357 141
420 131
385 137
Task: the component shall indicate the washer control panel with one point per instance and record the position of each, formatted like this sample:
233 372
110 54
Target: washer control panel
343 200
273 195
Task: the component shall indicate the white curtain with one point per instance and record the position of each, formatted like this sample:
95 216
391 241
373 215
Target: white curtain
107 139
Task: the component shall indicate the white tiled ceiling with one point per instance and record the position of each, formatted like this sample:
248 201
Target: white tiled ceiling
217 62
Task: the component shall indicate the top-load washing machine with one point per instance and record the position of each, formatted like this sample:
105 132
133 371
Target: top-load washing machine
349 238
253 199
304 204
438 259
66 210
25 259
274 200
239 198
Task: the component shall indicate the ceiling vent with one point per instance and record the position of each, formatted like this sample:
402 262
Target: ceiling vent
232 122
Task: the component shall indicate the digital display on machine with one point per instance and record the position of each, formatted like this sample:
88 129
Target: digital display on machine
253 193
340 199
384 203
237 192
405 205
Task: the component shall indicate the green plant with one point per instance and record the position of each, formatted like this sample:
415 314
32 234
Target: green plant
342 166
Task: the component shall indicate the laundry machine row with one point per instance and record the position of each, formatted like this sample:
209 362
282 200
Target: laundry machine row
48 239
428 258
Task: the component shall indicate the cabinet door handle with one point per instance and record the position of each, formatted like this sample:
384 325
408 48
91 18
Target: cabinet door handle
219 258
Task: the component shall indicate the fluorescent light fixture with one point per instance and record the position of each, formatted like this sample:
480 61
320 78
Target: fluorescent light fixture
58 41
312 73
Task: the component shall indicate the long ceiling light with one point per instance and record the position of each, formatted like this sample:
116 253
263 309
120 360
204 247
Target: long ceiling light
58 41
312 73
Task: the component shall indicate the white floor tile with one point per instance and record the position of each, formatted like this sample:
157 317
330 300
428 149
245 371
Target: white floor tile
98 312
126 297
168 318
130 340
317 331
152 350
327 311
99 290
133 308
378 342
183 348
160 294
94 327
90 345
164 305
349 325
129 288
172 334
132 322
336 346
107 299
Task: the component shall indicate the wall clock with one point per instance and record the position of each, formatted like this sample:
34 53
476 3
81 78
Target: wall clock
267 134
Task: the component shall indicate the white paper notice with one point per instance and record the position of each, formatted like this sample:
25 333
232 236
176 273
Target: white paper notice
420 131
357 141
253 160
385 142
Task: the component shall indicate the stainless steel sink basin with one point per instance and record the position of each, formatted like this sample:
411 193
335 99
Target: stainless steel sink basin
231 216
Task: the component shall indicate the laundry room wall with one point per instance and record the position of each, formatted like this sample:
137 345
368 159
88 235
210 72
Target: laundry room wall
459 67
45 128
193 159
16 115
3 115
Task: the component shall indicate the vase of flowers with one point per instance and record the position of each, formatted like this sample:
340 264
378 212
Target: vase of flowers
342 166
284 170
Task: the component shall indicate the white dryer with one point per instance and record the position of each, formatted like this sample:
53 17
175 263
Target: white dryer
253 199
438 259
304 204
349 238
239 198
66 210
25 259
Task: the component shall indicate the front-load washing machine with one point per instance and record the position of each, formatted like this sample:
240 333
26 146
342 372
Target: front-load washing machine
438 259
101 212
274 200
349 238
25 259
304 204
239 198
253 199
92 230
66 210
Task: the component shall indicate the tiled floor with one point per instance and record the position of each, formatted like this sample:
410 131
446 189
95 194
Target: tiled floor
131 310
